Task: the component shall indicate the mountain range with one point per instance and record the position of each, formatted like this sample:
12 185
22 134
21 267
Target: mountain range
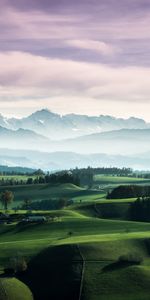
56 127
51 141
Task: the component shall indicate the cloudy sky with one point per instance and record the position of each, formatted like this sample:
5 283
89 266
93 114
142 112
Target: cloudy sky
84 56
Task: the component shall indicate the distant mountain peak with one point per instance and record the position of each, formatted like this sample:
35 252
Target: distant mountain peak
44 111
59 127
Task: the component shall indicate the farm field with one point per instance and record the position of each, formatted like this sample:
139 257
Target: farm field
119 180
100 242
106 183
79 250
40 192
17 177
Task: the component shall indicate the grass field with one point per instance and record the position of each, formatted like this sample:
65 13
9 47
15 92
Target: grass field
119 180
17 177
100 241
46 191
84 242
107 183
12 288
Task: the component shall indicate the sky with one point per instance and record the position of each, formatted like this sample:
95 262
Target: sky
85 56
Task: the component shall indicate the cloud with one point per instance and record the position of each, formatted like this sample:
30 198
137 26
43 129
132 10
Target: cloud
92 45
36 24
92 20
30 76
79 27
75 55
98 31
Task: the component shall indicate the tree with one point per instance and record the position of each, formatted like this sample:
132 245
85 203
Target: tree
26 203
6 198
38 172
30 180
62 202
70 233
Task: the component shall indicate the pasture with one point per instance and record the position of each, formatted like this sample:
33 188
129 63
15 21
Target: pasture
81 247
101 242
119 180
38 192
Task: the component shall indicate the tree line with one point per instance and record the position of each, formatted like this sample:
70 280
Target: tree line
140 210
51 204
82 177
56 178
129 191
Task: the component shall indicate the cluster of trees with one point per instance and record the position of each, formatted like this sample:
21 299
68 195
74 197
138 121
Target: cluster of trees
129 191
40 178
56 178
106 171
83 177
7 197
113 171
5 181
140 210
86 175
146 176
51 204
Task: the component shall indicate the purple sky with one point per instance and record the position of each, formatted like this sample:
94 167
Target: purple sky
87 56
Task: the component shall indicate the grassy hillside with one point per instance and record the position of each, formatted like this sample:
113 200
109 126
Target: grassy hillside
84 242
102 208
13 289
28 238
119 180
42 192
100 242
17 177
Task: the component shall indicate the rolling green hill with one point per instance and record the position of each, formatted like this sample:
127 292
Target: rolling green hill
42 192
77 253
13 289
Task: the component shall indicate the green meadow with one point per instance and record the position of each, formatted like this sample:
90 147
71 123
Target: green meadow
119 180
76 255
17 177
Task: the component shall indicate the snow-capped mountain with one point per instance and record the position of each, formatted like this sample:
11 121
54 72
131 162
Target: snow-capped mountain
55 126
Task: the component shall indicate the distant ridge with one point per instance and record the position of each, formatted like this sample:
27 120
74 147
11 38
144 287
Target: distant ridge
15 170
55 126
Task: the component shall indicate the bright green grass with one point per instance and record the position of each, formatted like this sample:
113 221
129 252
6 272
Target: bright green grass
104 208
44 192
130 282
119 180
101 241
90 196
14 289
127 283
17 177
84 230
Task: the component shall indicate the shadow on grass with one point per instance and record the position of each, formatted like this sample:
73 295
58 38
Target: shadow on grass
54 273
118 265
147 244
7 230
27 227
